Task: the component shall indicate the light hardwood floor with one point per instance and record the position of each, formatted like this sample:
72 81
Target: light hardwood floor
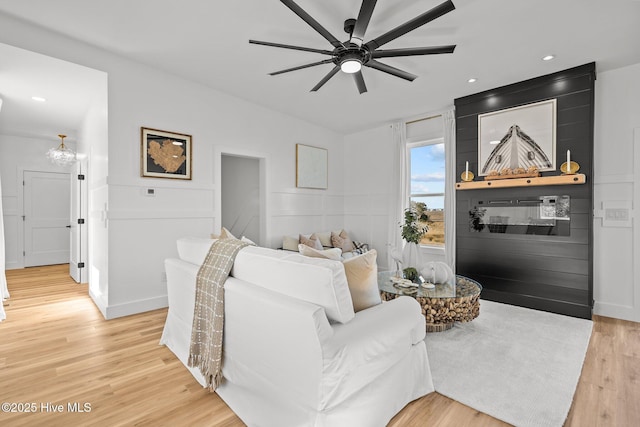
55 348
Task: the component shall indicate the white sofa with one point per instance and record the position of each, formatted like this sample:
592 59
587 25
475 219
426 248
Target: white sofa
295 353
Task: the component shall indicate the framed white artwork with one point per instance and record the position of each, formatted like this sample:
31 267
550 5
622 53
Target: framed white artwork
311 167
519 137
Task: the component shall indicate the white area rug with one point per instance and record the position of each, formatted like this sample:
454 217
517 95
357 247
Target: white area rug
518 365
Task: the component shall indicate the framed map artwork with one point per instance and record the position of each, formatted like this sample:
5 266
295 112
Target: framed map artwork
165 154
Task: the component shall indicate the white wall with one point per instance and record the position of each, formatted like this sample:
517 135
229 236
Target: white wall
370 193
617 182
141 231
368 189
18 154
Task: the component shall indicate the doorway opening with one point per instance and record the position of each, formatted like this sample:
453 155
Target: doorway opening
76 105
241 194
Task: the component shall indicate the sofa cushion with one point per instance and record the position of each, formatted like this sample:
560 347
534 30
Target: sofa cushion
332 253
319 281
362 277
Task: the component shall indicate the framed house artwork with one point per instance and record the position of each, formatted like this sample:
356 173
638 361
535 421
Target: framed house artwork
165 154
520 137
311 167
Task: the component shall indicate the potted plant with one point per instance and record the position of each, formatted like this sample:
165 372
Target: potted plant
414 228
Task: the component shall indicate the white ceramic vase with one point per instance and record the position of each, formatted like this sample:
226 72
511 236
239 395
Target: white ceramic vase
412 257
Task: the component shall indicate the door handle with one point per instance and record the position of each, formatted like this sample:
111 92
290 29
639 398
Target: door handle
68 226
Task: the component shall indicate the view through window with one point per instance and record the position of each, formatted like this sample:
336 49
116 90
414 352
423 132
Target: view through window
427 176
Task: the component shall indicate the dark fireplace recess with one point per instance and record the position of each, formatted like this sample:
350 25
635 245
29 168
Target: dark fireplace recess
531 246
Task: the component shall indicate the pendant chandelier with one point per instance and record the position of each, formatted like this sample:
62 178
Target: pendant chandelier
61 156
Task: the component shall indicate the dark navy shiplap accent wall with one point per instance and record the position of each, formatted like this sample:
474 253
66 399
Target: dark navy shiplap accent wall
551 273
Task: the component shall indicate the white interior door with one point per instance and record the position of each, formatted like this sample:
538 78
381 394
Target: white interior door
46 218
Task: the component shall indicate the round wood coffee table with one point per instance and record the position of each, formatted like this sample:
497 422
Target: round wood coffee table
441 306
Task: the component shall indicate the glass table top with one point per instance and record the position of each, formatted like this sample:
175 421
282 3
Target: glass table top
463 287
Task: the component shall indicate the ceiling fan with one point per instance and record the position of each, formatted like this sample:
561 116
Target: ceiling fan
351 55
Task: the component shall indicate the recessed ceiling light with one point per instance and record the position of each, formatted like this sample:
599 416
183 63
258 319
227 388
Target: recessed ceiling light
472 80
548 57
38 98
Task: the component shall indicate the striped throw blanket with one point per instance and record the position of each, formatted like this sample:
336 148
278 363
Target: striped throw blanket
205 351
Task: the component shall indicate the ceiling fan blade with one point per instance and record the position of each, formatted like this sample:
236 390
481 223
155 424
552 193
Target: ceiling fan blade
390 70
288 46
362 22
389 53
416 22
301 67
312 22
326 78
362 88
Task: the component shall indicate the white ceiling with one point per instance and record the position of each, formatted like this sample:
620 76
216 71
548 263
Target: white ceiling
498 42
67 88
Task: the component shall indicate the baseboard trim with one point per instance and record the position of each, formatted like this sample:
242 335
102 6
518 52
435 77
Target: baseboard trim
553 306
623 312
129 308
135 307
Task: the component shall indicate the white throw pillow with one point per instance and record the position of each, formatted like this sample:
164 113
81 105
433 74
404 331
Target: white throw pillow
194 249
247 240
290 243
325 238
362 278
333 253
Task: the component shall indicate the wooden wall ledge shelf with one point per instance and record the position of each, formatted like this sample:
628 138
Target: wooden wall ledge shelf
578 178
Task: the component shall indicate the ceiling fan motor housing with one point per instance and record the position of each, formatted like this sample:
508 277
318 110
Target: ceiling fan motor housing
352 55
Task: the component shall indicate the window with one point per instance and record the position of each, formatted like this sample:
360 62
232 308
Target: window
427 177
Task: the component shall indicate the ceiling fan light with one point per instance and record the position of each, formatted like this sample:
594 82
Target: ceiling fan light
351 66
